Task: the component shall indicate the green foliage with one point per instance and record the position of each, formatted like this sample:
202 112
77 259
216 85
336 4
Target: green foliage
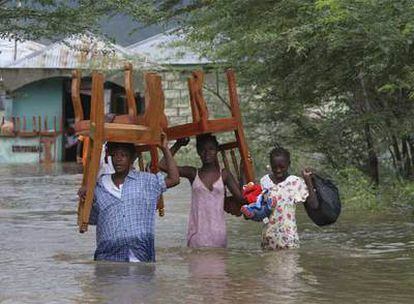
34 19
358 193
350 60
356 190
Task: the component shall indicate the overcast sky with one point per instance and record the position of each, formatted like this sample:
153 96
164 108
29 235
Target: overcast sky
119 28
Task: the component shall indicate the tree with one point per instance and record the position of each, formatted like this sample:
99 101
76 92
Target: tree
35 19
353 57
299 57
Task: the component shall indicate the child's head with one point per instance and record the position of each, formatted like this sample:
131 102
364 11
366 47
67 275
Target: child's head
123 155
207 148
279 161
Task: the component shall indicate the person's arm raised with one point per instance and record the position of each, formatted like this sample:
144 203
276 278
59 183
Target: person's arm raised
183 171
173 177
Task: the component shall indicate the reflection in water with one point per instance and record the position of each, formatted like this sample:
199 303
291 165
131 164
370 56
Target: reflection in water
118 283
208 264
283 271
208 269
365 258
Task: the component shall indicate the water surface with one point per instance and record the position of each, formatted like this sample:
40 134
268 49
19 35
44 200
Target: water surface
364 258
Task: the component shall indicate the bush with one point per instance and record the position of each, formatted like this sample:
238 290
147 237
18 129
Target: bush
357 193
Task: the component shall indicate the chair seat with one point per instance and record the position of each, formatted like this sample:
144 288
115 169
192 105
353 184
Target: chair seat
130 133
196 128
83 125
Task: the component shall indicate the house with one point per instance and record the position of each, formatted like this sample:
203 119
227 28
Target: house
168 49
165 49
38 104
35 97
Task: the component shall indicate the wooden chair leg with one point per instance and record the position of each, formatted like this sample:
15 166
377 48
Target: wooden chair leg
154 169
95 144
245 155
86 157
194 108
241 140
90 174
198 80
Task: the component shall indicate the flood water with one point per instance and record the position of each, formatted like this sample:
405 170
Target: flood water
364 258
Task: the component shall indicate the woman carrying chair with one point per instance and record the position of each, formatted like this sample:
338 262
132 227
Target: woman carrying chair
207 225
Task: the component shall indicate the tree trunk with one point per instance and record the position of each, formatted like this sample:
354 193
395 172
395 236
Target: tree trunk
410 144
397 154
364 107
373 168
406 158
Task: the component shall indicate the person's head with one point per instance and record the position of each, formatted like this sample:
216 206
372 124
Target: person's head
279 161
123 155
207 148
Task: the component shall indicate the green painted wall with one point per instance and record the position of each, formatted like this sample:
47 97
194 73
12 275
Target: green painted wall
41 98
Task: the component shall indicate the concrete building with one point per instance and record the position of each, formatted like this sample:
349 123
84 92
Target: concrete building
179 61
35 87
36 80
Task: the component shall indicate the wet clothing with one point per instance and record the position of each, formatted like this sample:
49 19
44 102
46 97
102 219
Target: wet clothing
207 225
281 230
110 186
126 224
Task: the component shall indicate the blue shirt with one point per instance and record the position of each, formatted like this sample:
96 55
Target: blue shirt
127 223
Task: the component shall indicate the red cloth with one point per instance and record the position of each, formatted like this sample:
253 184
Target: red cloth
251 192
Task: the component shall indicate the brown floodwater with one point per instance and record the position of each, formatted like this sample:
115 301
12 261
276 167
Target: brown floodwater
363 258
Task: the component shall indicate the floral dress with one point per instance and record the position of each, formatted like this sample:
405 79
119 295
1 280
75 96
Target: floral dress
281 231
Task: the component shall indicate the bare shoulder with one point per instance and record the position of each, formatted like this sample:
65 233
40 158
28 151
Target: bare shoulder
187 172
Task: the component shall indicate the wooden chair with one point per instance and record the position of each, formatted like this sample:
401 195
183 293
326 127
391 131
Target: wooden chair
98 132
202 124
82 125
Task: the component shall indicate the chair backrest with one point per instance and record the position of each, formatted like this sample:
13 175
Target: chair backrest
231 148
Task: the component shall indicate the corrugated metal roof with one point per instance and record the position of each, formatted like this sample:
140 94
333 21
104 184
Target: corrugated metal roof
81 51
159 48
11 50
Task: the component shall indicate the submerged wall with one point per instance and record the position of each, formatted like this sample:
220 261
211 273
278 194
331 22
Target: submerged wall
42 98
